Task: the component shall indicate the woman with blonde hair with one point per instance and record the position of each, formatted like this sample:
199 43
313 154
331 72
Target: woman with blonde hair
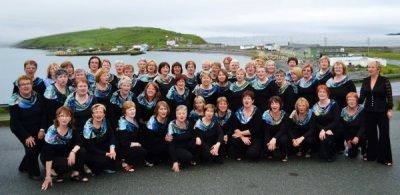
308 84
237 88
324 73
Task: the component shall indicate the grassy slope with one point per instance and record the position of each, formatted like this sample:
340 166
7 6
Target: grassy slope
107 38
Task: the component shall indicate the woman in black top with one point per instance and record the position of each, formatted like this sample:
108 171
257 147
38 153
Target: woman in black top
155 133
80 102
114 110
99 141
130 143
182 147
179 94
62 150
146 102
247 137
222 83
111 78
224 117
285 91
148 77
275 126
324 73
56 94
30 67
103 89
206 89
353 124
264 88
302 128
376 94
308 85
327 120
340 84
237 88
191 80
209 136
28 123
164 80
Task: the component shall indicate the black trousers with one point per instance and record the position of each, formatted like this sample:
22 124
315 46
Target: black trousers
305 146
60 164
157 152
378 148
30 161
132 155
327 147
203 153
282 143
238 149
98 163
182 152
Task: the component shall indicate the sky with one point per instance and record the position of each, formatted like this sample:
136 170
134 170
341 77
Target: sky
22 19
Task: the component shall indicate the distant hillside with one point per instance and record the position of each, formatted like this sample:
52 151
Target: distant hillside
108 38
391 34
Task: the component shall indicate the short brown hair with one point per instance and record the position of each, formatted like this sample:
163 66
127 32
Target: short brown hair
81 80
158 106
293 59
225 73
64 110
248 93
275 99
98 105
30 62
222 99
307 65
180 77
324 57
127 105
190 62
209 106
352 94
24 78
323 87
155 85
100 72
67 63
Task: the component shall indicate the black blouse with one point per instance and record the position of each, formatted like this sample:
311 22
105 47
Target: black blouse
378 99
339 92
353 126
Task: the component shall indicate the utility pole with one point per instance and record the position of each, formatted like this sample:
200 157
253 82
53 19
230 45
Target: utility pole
368 44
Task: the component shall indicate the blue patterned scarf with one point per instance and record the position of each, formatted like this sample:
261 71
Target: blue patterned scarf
235 87
75 106
174 95
52 93
203 127
125 125
320 75
306 84
144 102
349 118
257 85
17 99
267 117
332 84
198 91
118 100
174 129
321 111
147 78
153 125
222 120
103 93
164 81
241 117
89 132
296 119
54 138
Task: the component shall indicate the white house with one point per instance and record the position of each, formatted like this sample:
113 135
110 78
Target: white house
272 47
356 60
245 47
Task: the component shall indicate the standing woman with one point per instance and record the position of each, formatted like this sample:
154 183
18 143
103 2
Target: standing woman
62 150
327 119
56 94
179 94
69 67
285 91
99 141
308 85
119 69
94 65
142 66
292 62
30 67
129 72
176 69
302 128
353 124
191 81
376 94
130 145
296 74
222 83
340 84
324 73
247 138
264 88
51 74
227 60
28 122
149 76
180 136
206 89
154 135
117 100
209 136
250 71
237 88
112 79
147 102
233 68
81 102
164 80
275 126
270 68
104 88
215 68
205 68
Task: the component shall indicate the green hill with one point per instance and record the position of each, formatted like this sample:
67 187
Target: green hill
108 38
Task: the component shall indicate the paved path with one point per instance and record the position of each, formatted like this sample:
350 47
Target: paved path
298 176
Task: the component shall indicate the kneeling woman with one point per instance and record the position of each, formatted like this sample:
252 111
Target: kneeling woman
327 118
302 128
154 134
128 135
353 124
209 136
182 148
247 136
62 149
275 125
99 141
